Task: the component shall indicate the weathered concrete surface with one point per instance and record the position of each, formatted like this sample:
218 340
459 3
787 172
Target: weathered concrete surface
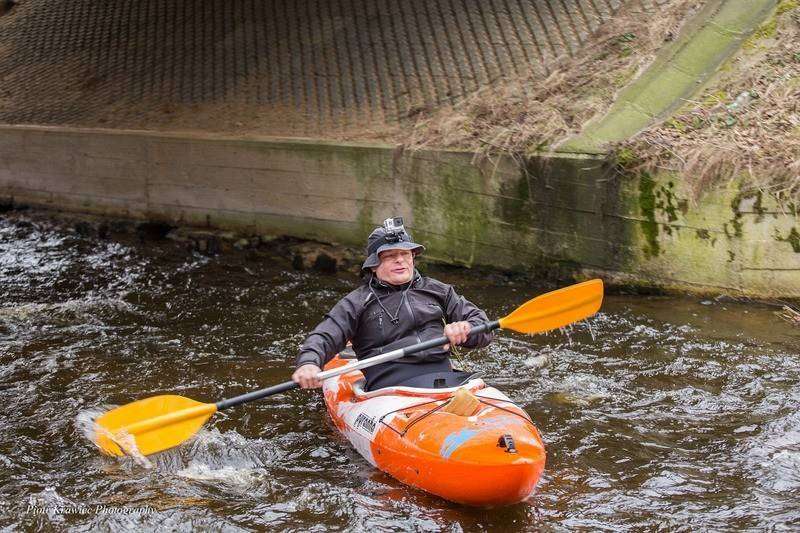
294 67
678 72
561 217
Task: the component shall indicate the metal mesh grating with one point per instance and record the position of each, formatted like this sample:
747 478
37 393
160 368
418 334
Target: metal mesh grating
295 67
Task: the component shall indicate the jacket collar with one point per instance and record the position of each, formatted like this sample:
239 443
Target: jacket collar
376 283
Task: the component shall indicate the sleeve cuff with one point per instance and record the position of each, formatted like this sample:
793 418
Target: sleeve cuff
308 358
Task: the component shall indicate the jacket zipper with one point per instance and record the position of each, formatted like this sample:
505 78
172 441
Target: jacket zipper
413 318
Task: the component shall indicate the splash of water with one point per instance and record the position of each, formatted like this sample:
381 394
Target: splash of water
86 422
591 329
229 475
567 332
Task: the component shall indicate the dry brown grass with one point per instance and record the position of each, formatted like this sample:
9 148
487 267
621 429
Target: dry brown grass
536 113
745 124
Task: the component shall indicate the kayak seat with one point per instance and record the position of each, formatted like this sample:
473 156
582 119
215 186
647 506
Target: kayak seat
472 383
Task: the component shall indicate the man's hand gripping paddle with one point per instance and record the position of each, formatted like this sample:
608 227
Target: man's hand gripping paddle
162 422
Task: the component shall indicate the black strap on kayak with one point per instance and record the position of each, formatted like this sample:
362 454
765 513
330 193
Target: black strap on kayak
420 417
482 400
526 417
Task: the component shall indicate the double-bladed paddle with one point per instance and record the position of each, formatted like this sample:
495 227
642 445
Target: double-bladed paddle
162 422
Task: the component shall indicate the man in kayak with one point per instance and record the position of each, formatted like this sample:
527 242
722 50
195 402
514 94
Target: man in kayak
393 308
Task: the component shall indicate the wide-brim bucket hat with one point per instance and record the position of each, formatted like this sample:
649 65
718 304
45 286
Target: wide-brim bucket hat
381 240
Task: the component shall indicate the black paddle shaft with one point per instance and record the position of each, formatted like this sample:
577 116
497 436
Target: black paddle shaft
289 385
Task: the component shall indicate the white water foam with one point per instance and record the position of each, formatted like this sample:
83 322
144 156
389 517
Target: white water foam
229 475
86 422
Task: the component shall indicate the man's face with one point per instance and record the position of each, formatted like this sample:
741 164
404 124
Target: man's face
396 266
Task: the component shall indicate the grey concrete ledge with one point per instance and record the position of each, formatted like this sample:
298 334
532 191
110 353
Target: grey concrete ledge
557 217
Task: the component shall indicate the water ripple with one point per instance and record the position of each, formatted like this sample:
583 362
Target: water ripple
658 414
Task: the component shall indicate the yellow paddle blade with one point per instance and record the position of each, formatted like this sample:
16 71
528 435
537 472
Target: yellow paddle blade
556 309
150 425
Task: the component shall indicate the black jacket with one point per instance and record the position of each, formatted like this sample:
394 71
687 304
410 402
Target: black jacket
378 317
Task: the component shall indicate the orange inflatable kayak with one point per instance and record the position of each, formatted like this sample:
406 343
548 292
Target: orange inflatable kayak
492 457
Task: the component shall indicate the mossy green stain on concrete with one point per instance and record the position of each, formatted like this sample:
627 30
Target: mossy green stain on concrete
364 176
758 206
647 208
787 5
513 202
452 223
793 238
464 214
626 158
736 209
736 224
659 205
667 201
767 30
577 200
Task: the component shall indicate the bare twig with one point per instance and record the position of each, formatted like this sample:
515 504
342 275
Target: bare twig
790 315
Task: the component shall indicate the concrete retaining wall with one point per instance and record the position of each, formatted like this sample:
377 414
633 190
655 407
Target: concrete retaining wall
563 216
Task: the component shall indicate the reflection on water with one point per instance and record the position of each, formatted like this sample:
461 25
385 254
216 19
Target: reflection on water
660 413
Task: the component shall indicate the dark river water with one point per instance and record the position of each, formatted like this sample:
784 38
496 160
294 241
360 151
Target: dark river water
660 413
